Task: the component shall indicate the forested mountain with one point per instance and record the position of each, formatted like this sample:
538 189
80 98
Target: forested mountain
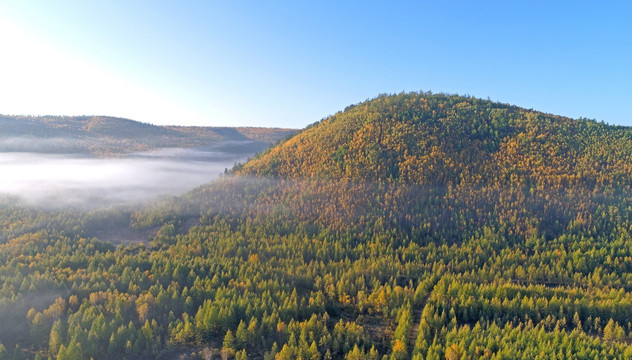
451 140
109 136
410 226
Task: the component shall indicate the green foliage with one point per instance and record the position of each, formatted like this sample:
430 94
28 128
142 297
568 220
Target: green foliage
413 226
4 354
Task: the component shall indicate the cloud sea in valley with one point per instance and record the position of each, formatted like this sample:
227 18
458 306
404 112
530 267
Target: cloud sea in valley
59 180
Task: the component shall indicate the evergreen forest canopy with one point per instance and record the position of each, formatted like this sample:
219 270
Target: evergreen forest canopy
409 226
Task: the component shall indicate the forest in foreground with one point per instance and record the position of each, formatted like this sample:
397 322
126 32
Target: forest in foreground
409 226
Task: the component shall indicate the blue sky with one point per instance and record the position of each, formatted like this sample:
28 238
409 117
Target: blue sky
291 63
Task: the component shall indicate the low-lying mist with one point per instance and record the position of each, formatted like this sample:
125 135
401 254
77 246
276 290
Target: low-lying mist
59 180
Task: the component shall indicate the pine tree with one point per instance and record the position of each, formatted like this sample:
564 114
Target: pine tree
241 335
241 355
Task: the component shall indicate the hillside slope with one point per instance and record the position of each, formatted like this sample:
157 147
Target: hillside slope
439 165
452 140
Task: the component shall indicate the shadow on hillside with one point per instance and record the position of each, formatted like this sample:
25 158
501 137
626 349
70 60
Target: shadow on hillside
230 134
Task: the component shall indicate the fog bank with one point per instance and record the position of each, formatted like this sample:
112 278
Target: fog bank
74 180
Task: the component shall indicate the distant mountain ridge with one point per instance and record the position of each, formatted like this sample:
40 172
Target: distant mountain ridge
109 136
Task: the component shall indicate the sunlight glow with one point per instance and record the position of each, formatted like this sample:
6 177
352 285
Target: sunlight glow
38 79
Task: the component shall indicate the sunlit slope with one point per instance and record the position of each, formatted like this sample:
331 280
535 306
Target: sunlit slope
453 141
438 168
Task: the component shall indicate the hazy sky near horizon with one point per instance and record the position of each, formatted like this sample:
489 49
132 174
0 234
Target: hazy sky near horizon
291 63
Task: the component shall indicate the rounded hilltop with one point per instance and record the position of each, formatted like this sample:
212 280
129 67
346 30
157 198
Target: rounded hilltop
430 138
